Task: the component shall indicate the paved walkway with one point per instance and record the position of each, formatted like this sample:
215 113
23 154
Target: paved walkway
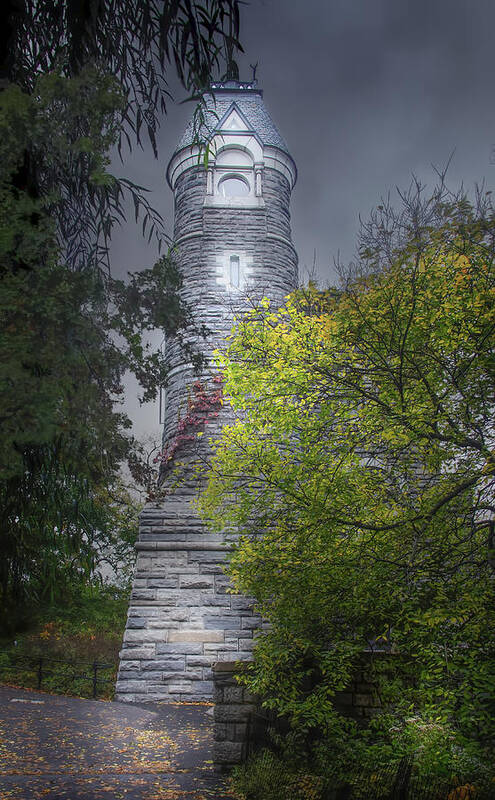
64 748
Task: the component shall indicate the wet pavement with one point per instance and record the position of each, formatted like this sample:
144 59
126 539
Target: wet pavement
66 748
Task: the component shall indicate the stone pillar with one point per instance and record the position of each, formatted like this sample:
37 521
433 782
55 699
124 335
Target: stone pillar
232 714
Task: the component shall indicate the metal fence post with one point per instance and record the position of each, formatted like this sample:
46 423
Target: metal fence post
40 671
95 679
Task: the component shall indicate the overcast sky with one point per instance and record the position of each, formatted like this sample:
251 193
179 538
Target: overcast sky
365 92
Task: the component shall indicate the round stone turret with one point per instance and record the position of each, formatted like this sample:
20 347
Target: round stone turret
232 241
232 222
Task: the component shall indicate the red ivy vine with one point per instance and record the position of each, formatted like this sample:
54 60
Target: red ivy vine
202 406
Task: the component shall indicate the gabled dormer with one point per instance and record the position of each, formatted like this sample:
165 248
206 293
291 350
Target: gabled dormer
242 142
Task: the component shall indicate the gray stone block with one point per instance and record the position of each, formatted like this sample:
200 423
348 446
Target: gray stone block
212 569
233 694
183 569
210 556
196 636
216 600
228 752
172 677
189 599
198 661
250 622
205 688
234 712
170 665
145 611
130 675
151 675
163 623
144 635
179 614
153 697
163 583
133 650
241 603
143 594
216 649
180 648
200 582
167 597
180 688
223 731
213 621
129 686
241 732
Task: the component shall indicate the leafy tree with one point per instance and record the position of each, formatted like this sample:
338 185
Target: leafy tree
363 454
61 361
135 42
77 78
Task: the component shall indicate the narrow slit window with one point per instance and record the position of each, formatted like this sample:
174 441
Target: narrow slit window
234 271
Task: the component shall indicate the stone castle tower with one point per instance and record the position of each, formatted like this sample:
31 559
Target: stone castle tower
233 242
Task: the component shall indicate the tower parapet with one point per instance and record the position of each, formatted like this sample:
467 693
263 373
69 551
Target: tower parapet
233 243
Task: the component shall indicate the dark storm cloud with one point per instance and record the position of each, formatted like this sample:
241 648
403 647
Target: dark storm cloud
365 92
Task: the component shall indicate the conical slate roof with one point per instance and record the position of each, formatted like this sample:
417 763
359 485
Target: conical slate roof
249 102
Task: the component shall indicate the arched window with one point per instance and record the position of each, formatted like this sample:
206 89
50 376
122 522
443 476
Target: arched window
234 174
234 157
235 278
233 186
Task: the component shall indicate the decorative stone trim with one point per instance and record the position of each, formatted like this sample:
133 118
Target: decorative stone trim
243 203
220 546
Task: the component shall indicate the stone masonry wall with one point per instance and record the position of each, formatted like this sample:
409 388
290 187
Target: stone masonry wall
232 713
204 235
181 617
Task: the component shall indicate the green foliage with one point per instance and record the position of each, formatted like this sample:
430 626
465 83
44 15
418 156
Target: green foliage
68 337
88 628
150 39
363 454
77 48
58 137
59 532
74 86
363 764
270 777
